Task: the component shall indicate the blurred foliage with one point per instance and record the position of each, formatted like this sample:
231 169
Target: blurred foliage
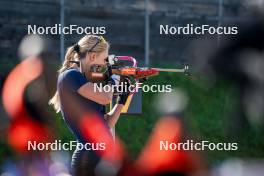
208 116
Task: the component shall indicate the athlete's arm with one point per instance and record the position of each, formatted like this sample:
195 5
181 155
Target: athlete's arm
100 97
113 116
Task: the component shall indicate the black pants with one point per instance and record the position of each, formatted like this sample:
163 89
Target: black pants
84 163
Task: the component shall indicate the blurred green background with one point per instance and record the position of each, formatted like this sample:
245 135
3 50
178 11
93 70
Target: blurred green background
208 117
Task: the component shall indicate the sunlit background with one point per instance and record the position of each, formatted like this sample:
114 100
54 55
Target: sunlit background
221 101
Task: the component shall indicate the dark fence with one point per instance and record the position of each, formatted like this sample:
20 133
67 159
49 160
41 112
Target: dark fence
124 22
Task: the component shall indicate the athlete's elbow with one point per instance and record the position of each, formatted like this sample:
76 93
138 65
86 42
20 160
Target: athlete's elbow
106 100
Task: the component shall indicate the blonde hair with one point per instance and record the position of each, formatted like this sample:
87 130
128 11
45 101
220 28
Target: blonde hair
89 43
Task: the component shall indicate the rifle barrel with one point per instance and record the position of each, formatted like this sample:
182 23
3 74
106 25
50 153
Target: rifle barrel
171 70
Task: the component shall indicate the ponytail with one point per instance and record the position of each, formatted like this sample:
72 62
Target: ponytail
55 100
85 44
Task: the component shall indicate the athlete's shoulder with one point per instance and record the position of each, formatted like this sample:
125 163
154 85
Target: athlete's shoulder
70 73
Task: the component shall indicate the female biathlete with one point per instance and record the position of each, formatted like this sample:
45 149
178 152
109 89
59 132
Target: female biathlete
75 95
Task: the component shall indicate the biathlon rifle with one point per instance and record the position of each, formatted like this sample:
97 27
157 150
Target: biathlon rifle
118 66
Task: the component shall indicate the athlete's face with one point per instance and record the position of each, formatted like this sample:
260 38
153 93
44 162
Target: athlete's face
93 58
98 58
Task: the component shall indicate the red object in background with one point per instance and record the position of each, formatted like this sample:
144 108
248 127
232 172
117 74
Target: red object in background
23 128
153 160
94 130
16 83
